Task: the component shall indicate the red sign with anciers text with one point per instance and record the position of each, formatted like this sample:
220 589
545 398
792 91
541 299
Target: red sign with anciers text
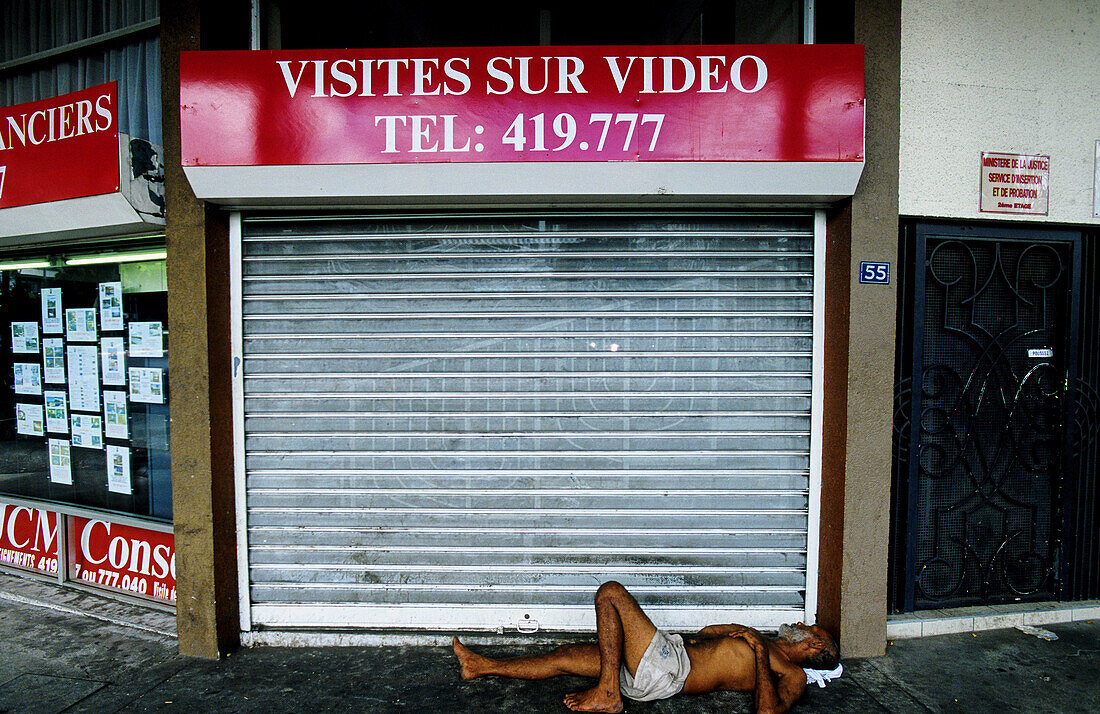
125 558
58 148
786 103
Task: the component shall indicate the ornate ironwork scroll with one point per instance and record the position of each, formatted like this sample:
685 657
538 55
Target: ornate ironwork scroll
990 433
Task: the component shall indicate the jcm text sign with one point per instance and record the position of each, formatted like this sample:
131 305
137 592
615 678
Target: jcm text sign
667 103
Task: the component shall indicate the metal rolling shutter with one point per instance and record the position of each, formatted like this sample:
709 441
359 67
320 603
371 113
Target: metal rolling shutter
472 422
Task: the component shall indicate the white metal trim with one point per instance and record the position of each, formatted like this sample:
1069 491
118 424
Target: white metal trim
809 27
254 26
92 514
817 402
63 546
237 367
362 184
319 638
91 216
507 618
315 638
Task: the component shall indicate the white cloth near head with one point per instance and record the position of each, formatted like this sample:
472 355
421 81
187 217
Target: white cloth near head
823 676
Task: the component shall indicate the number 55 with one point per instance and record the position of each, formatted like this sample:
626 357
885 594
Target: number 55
874 272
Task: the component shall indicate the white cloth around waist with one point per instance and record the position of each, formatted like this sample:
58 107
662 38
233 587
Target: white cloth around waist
662 671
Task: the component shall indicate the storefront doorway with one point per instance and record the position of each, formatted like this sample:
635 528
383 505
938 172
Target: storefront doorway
987 449
472 421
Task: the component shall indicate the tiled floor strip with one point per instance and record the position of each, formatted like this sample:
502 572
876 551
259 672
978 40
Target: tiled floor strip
927 623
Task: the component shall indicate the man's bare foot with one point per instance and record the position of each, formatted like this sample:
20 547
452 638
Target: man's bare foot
595 700
468 659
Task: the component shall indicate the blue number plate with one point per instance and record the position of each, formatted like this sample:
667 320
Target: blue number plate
874 272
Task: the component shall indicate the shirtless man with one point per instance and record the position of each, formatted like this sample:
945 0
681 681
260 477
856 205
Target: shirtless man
633 658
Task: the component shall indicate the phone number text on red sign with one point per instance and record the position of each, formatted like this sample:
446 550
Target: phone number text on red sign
427 134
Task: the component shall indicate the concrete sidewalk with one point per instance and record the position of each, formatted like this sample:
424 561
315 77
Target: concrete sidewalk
66 651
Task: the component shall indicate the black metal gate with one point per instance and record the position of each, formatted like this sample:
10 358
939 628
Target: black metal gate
984 466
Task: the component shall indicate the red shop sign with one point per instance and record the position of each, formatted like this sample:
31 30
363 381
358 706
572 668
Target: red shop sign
58 148
746 103
125 558
28 538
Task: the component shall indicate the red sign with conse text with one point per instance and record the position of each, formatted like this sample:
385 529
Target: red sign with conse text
125 558
58 148
113 556
505 104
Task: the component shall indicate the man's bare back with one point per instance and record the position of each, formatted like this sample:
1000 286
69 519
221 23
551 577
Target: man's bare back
722 657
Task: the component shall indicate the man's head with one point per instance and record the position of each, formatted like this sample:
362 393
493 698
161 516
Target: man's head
810 646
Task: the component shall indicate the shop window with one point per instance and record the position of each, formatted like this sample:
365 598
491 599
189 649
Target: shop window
343 23
84 414
53 47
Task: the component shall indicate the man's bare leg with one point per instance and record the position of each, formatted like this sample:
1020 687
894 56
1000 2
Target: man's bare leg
623 633
579 659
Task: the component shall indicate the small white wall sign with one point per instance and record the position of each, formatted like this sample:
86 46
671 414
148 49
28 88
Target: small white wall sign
1015 183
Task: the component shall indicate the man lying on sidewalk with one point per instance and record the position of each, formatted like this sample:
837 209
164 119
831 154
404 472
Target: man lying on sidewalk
633 658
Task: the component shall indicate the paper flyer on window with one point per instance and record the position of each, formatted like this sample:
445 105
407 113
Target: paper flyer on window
113 356
118 469
146 339
52 319
88 431
61 470
116 421
28 378
53 357
80 325
57 412
83 364
24 338
28 420
110 306
146 385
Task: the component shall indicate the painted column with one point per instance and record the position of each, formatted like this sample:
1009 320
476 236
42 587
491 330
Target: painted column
201 409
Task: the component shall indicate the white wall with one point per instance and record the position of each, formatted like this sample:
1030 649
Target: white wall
1008 76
